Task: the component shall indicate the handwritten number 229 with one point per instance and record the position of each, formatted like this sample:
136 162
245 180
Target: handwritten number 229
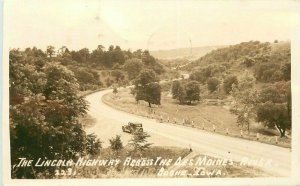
67 172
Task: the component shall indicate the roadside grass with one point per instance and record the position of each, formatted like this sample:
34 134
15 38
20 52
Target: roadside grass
87 120
202 116
87 92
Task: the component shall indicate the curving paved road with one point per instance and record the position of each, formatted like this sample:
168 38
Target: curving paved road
109 122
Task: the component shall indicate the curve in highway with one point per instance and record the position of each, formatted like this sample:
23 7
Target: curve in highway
109 123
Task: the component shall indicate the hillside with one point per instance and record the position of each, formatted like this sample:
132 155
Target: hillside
254 77
266 61
186 53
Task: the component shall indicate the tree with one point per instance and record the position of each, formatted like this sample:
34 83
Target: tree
111 48
94 145
186 92
244 106
87 78
64 55
133 67
150 93
147 88
115 91
108 82
50 51
137 54
116 144
212 84
97 55
192 90
118 75
84 76
147 59
83 55
271 72
145 77
176 85
228 82
198 76
181 94
202 74
272 94
153 94
286 71
150 62
62 50
274 115
274 108
248 62
34 52
118 56
245 101
139 142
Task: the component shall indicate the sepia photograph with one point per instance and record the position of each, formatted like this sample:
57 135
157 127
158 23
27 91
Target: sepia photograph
151 92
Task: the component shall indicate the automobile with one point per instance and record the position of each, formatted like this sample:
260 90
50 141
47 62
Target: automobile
132 127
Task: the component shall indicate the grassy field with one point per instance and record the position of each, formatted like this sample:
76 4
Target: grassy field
203 116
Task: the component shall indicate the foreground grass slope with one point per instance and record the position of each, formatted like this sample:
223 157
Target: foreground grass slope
130 166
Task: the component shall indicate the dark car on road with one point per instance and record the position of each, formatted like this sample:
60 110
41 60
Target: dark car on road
132 127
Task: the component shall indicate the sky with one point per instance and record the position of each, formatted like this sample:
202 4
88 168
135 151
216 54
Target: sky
153 25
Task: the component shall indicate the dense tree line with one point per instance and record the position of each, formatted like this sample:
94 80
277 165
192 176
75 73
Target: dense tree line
204 73
232 53
272 72
112 58
186 92
120 66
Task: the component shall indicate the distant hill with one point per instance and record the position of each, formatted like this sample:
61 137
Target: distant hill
184 53
267 62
